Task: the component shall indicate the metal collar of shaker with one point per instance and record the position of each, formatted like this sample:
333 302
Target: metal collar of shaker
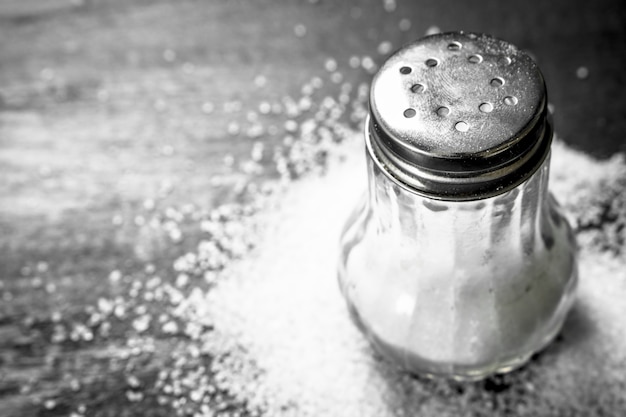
459 184
468 164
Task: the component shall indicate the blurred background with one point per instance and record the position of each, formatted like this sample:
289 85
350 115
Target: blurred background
130 130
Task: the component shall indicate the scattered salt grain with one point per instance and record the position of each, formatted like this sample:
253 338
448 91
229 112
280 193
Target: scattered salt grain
56 317
330 65
291 126
208 107
75 385
49 404
265 107
260 81
432 30
317 82
389 5
134 396
132 381
233 128
368 64
257 151
404 25
384 47
141 324
182 280
149 204
119 311
582 73
336 77
105 306
42 267
170 327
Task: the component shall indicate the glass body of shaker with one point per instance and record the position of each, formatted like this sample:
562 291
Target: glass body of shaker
459 289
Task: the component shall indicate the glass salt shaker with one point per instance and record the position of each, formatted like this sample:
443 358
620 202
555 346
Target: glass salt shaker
458 262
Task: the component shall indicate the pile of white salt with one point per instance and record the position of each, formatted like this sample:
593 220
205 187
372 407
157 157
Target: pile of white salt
287 346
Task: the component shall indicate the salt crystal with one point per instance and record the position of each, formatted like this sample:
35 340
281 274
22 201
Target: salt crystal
291 126
141 324
257 151
49 404
149 204
368 64
384 48
389 5
208 107
56 317
330 65
105 306
42 267
432 30
260 81
182 280
119 311
133 396
75 385
404 25
265 107
317 82
336 77
170 327
233 128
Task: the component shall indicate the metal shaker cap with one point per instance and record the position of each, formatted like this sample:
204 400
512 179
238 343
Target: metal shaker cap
458 116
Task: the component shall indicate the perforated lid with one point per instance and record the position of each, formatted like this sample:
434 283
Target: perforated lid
459 116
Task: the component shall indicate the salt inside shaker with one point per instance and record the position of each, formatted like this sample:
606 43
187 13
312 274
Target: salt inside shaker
458 262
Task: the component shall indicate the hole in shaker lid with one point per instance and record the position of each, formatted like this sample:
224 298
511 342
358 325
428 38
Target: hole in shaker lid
486 107
461 126
418 88
475 59
443 111
496 82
